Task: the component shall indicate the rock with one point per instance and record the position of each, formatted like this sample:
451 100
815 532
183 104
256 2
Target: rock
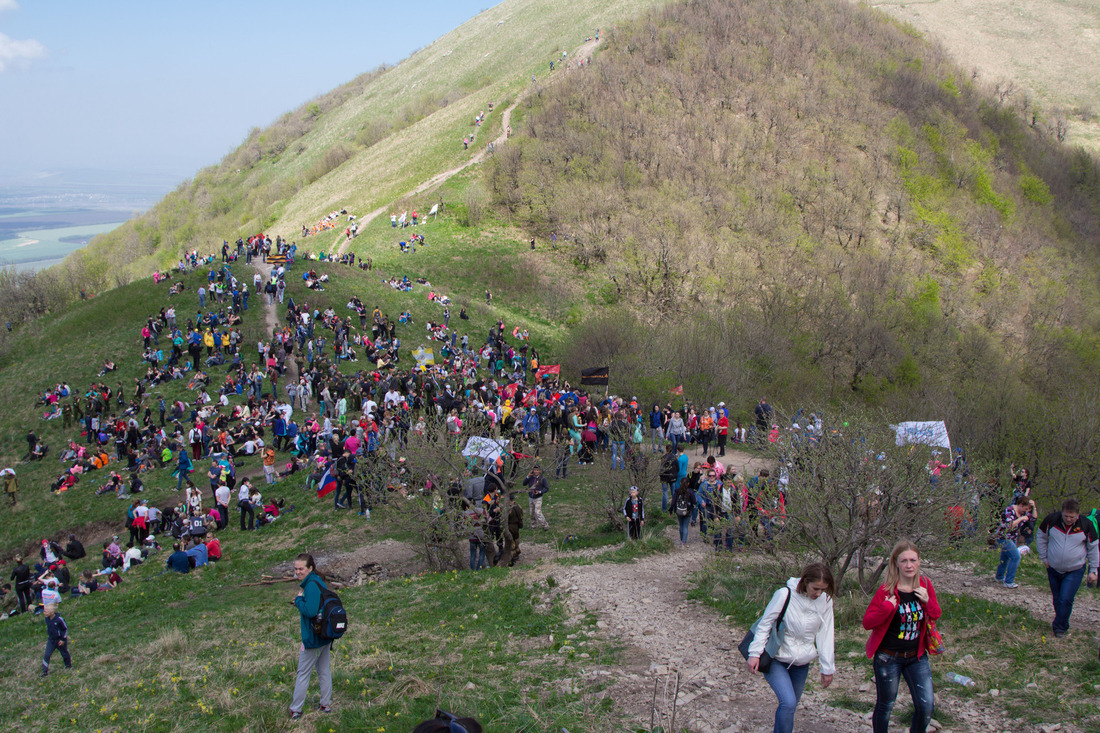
471 686
1032 686
934 725
648 632
864 688
967 584
1051 728
601 624
994 692
968 659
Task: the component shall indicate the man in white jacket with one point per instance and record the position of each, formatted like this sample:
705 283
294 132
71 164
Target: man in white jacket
796 628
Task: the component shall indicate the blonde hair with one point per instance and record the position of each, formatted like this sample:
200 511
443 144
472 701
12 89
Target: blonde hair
892 574
50 608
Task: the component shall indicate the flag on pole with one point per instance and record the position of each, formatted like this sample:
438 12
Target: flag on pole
596 376
424 357
548 369
677 390
327 484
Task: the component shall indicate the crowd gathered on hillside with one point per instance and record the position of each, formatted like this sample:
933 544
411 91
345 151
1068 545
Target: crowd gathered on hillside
331 403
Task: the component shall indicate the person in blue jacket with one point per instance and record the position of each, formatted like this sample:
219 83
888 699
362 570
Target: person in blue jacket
314 651
178 560
57 637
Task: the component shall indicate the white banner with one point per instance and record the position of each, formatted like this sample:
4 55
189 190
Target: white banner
922 433
487 448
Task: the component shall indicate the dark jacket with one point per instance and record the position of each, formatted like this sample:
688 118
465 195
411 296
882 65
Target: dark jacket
21 575
178 561
56 628
74 550
309 605
537 486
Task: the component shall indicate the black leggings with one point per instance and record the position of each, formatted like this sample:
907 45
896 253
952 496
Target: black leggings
247 509
25 596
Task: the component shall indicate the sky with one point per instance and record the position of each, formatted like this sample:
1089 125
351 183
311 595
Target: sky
161 89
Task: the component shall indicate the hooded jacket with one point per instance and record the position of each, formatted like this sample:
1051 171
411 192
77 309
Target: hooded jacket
806 631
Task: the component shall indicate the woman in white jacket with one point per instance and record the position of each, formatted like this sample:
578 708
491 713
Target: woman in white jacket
805 633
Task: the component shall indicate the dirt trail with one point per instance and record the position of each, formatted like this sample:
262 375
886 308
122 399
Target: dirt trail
644 607
581 52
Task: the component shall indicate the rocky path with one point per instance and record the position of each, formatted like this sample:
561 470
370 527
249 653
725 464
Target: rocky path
644 606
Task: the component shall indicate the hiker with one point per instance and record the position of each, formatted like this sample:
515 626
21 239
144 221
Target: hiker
1067 546
11 485
1021 511
683 501
795 629
900 618
57 637
634 511
512 525
537 487
21 574
314 652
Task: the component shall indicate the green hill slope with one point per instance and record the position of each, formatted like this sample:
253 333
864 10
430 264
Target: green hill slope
364 144
821 197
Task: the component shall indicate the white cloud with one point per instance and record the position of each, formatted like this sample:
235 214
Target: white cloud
18 54
8 5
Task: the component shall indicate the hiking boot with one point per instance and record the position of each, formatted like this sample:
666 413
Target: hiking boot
295 714
324 708
1012 585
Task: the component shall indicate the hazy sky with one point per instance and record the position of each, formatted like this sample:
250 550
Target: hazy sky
171 87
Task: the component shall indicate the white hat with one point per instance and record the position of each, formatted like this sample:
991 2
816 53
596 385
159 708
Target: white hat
721 404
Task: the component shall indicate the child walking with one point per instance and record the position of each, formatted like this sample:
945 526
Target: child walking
57 638
634 511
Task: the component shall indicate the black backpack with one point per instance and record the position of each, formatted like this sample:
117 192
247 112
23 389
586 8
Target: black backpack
670 468
683 505
331 620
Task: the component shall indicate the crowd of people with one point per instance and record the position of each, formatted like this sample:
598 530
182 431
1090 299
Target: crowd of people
290 406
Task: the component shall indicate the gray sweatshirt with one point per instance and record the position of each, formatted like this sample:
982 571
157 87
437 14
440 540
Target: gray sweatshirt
1068 549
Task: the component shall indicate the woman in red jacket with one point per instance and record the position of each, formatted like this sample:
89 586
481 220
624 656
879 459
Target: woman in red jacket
898 619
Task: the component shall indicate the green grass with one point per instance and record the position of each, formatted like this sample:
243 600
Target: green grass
199 652
72 348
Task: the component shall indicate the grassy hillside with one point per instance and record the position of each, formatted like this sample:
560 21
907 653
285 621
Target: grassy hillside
827 201
363 144
1032 50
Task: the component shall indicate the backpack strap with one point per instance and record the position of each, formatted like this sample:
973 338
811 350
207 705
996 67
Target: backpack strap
779 618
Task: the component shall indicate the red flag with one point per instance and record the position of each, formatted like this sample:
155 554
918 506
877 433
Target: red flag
549 369
677 390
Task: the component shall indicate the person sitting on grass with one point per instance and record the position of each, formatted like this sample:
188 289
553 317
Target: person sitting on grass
87 585
178 560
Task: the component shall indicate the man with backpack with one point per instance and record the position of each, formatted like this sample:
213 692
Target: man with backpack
670 470
316 642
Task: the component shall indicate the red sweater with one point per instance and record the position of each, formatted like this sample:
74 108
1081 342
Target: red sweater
879 613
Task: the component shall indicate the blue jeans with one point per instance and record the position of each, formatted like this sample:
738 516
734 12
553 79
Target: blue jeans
918 675
477 556
1063 587
667 490
618 451
787 682
685 523
1010 560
